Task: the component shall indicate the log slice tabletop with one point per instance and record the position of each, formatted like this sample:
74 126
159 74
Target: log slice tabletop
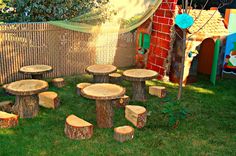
101 69
27 87
138 78
36 71
103 93
139 74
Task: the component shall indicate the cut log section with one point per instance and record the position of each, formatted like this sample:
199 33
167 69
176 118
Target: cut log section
81 86
115 78
58 82
123 133
121 102
159 91
8 120
136 115
6 106
78 129
105 113
26 106
49 100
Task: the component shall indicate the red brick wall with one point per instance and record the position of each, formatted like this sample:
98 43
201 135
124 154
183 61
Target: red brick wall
161 37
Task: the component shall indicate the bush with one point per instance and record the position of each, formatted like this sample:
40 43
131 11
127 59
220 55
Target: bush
45 10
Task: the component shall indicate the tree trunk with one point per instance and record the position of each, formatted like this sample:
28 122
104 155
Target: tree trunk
26 106
139 91
101 78
37 76
105 113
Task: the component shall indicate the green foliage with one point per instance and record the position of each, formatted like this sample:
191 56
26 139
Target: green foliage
45 10
175 113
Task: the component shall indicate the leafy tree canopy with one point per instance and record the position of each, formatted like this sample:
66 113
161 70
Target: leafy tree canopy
44 10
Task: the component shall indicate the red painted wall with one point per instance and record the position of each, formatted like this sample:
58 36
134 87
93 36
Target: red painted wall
160 37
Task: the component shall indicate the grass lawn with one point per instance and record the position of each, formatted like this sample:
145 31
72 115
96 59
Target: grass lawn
210 129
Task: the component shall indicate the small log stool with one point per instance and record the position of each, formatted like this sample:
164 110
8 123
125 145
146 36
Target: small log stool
4 87
6 106
104 93
78 129
115 78
100 72
121 102
58 82
138 78
159 91
123 133
81 86
136 115
27 101
49 100
8 120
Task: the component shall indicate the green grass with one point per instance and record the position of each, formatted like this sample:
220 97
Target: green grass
209 130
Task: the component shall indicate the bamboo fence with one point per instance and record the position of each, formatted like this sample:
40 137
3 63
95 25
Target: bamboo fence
68 52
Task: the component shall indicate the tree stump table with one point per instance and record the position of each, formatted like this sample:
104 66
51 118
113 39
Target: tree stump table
138 78
104 93
100 72
36 71
27 101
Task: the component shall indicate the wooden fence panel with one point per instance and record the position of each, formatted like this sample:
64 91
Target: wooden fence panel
68 52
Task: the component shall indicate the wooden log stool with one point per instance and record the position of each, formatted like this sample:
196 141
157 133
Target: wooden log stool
6 106
8 120
137 115
123 133
4 87
49 100
121 102
78 129
115 78
81 86
159 91
58 82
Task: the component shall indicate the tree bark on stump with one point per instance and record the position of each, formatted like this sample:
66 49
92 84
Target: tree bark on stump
78 129
8 120
115 78
37 76
121 102
139 91
26 106
123 133
6 106
100 78
105 113
58 82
